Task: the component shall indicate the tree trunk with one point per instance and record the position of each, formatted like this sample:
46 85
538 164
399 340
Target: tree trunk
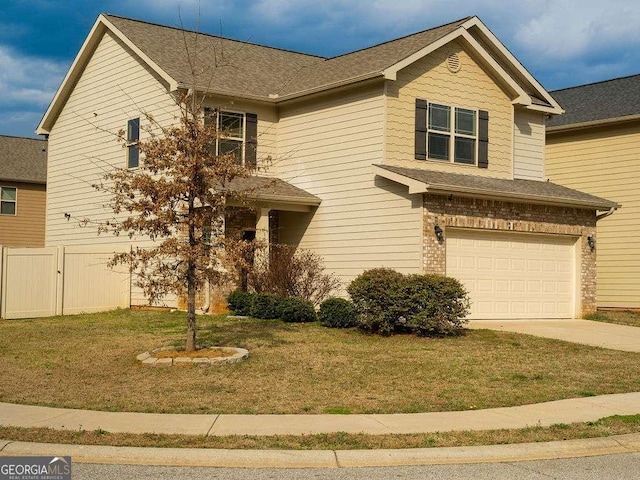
191 317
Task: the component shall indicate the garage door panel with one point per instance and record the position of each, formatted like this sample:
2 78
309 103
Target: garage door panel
512 275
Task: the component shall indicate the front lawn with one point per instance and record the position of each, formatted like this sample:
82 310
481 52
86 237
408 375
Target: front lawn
88 361
621 317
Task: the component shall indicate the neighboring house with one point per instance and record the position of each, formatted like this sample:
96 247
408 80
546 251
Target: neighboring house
422 154
595 147
23 178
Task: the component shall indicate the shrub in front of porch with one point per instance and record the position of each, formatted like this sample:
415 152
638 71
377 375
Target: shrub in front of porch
427 305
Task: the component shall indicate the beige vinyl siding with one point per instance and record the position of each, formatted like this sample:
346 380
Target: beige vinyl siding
604 162
114 87
430 79
528 145
327 148
26 228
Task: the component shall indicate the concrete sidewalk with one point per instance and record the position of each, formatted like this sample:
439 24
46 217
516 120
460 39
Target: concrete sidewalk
597 334
543 414
327 458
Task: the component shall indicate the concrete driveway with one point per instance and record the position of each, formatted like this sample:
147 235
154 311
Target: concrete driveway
598 334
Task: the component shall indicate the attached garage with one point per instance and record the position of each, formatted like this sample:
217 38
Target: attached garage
513 275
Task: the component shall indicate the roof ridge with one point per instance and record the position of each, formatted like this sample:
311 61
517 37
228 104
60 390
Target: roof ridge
23 138
596 83
460 21
213 36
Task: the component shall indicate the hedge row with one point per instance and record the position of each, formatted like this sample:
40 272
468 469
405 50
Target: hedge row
383 302
268 307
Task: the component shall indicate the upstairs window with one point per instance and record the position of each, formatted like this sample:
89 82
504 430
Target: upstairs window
452 134
133 136
231 127
238 132
8 200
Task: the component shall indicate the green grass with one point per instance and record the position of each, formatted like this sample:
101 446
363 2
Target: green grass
88 361
621 317
616 425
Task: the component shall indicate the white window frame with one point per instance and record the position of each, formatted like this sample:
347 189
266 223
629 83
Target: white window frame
242 139
15 202
452 134
132 143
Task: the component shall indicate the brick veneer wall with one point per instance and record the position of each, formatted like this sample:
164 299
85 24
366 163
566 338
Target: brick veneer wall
459 212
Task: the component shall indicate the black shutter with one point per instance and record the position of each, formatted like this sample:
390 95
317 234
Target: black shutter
250 153
210 115
483 139
421 129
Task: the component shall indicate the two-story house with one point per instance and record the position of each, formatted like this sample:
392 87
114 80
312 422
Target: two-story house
595 146
23 177
422 154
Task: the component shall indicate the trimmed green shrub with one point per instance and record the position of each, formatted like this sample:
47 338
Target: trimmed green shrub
266 306
240 302
297 310
377 297
427 305
437 305
337 313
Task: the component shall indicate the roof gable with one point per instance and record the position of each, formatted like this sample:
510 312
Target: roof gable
23 159
251 71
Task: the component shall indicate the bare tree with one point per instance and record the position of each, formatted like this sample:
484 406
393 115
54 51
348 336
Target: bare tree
177 198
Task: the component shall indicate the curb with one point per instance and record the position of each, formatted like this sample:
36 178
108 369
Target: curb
191 457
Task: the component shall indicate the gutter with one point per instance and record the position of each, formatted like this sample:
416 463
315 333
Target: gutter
607 213
472 192
592 123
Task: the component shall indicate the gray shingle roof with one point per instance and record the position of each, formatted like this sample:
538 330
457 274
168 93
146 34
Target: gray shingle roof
530 191
615 98
250 70
23 159
273 189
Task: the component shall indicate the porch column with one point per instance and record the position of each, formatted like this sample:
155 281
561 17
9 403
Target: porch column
262 227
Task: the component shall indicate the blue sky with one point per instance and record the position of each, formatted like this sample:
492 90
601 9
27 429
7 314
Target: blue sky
562 42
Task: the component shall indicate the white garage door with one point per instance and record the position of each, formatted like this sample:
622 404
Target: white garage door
513 276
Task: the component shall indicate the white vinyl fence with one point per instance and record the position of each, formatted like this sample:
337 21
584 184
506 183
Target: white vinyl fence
41 282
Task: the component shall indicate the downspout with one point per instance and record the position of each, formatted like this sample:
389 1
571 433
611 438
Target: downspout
606 214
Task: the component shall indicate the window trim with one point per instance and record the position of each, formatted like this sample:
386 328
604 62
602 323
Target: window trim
15 202
218 112
132 143
452 134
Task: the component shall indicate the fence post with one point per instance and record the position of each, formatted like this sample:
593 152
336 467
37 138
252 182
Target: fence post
59 272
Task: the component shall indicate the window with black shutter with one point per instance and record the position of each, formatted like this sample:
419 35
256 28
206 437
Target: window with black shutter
451 134
238 134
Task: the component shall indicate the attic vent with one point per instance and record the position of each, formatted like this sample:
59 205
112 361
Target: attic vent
453 62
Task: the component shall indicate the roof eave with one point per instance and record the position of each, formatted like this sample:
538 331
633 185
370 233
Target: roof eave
101 25
535 199
23 180
419 187
593 123
329 86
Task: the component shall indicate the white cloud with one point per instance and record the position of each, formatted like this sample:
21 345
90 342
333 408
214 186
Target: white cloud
575 28
26 80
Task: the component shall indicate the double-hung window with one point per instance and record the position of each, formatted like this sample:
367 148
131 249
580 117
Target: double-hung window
452 134
237 134
8 200
133 136
231 127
